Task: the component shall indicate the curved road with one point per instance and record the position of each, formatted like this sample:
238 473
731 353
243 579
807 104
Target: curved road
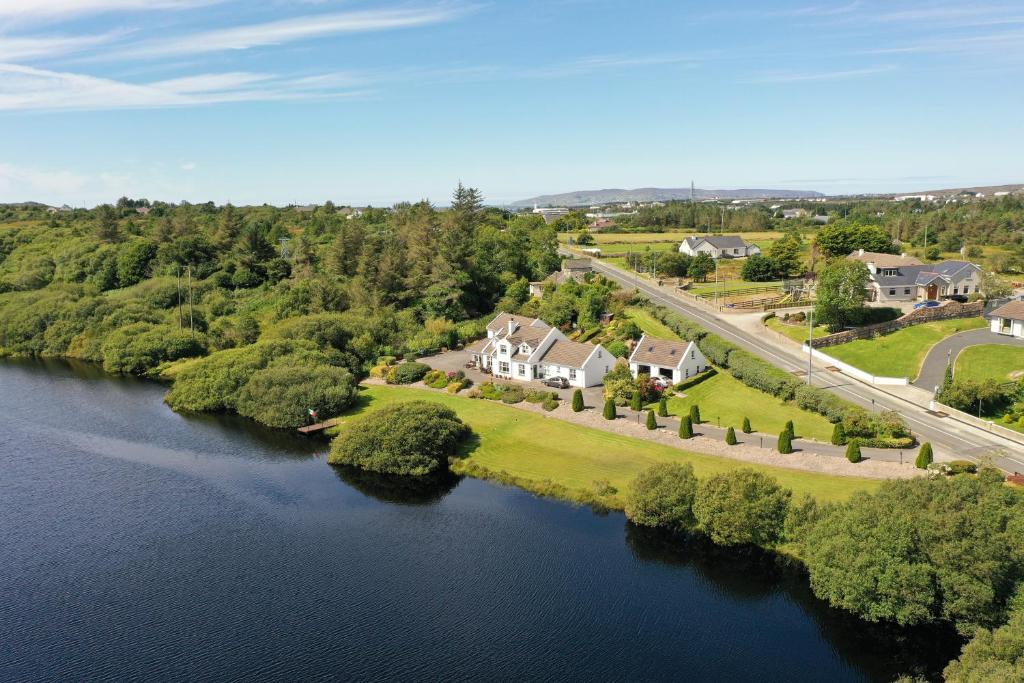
934 367
951 438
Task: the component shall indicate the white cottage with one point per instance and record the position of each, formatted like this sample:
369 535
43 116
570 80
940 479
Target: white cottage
719 246
525 349
670 360
1008 319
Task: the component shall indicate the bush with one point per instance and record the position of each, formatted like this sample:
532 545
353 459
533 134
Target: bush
746 426
140 347
785 445
961 467
838 434
685 427
407 373
716 349
617 348
537 396
853 451
662 496
636 402
577 401
413 438
695 414
924 457
730 436
609 409
282 395
549 404
789 428
436 379
742 507
663 407
511 393
651 422
759 375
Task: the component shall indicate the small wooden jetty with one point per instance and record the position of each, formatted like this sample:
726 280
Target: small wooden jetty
320 426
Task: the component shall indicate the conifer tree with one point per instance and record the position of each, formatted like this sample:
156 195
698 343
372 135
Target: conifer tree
838 434
651 422
785 443
746 426
609 409
853 451
635 402
577 401
695 414
662 407
924 456
730 436
685 427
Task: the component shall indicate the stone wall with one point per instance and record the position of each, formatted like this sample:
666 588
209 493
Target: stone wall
916 317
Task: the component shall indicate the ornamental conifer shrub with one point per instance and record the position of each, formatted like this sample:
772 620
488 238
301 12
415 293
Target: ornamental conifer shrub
730 436
651 422
785 442
695 414
838 434
577 401
853 451
662 407
685 427
635 402
789 428
609 409
924 456
746 426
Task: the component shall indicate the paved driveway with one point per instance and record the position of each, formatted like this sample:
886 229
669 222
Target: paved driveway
934 367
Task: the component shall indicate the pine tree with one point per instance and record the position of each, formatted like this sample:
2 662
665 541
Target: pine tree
730 436
924 456
785 443
695 414
685 427
662 407
577 401
838 434
746 426
609 409
635 402
853 451
789 428
651 422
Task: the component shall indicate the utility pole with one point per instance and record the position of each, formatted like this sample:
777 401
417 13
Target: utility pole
716 283
810 344
191 326
178 284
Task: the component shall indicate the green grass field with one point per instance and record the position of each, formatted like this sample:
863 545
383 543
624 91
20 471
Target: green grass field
538 449
725 400
676 236
797 333
649 324
990 361
900 353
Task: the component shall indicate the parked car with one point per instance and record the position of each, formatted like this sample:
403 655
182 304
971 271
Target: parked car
959 298
557 382
661 383
931 303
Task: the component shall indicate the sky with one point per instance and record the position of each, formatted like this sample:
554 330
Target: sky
303 101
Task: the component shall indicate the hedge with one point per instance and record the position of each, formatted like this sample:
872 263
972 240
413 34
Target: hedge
717 349
757 374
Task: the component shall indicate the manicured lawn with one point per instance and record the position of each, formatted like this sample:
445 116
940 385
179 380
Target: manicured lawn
990 361
797 333
901 353
649 324
725 399
537 448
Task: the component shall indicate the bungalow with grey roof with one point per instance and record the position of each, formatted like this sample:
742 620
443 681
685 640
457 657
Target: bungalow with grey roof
670 360
719 246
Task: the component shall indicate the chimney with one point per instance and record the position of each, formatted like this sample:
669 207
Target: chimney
860 252
871 267
511 326
903 255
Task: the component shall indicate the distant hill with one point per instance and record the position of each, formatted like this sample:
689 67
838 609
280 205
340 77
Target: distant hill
656 194
987 190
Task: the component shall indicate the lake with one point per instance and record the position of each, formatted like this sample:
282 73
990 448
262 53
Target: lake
136 543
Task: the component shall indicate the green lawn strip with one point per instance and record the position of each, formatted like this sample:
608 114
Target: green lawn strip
990 361
725 399
797 333
649 324
534 448
900 353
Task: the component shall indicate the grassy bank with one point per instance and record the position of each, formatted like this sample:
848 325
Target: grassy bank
900 353
990 361
797 333
556 457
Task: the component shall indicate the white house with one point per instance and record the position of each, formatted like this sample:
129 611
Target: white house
719 246
898 277
525 349
1008 319
572 269
671 360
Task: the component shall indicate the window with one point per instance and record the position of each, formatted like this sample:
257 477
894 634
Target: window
693 354
977 288
599 353
572 373
522 370
892 292
504 349
503 367
956 290
906 290
1005 324
687 372
735 251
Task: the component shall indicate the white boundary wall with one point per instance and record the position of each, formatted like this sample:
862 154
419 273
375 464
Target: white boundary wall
987 425
856 372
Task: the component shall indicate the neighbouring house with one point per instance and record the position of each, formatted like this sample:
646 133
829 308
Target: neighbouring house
600 224
671 360
572 269
719 246
142 210
551 214
524 349
898 277
1008 319
790 214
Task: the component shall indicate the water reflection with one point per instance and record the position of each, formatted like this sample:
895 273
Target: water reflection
390 488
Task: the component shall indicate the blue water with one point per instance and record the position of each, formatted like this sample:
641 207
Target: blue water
136 544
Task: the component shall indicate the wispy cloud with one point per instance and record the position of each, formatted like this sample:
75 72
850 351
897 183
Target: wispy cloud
796 77
1005 42
62 9
28 88
599 63
14 48
189 166
27 182
294 29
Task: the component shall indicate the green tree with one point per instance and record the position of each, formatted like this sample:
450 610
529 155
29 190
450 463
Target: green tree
838 434
841 291
609 409
853 451
685 427
785 445
701 266
107 228
663 407
662 496
924 456
635 402
841 240
695 414
742 507
730 436
652 423
577 401
993 656
758 268
784 255
746 426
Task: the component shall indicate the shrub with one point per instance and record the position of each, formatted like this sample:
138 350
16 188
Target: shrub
609 409
511 393
537 396
853 451
662 496
549 404
577 401
961 467
618 349
685 427
924 456
762 376
413 438
730 436
663 407
746 426
282 395
716 349
741 507
651 422
838 434
436 379
695 414
785 445
789 428
140 347
636 402
407 373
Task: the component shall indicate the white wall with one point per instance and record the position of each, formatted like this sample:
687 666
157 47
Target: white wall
1016 327
595 368
857 372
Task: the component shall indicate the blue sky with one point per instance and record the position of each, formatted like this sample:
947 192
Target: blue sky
373 102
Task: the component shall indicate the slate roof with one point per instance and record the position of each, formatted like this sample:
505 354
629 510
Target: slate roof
479 345
500 322
718 241
919 274
1013 310
663 352
884 260
569 353
576 264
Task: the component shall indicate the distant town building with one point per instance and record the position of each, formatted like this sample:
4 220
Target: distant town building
551 214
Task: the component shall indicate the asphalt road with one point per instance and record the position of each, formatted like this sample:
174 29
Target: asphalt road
934 367
950 438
